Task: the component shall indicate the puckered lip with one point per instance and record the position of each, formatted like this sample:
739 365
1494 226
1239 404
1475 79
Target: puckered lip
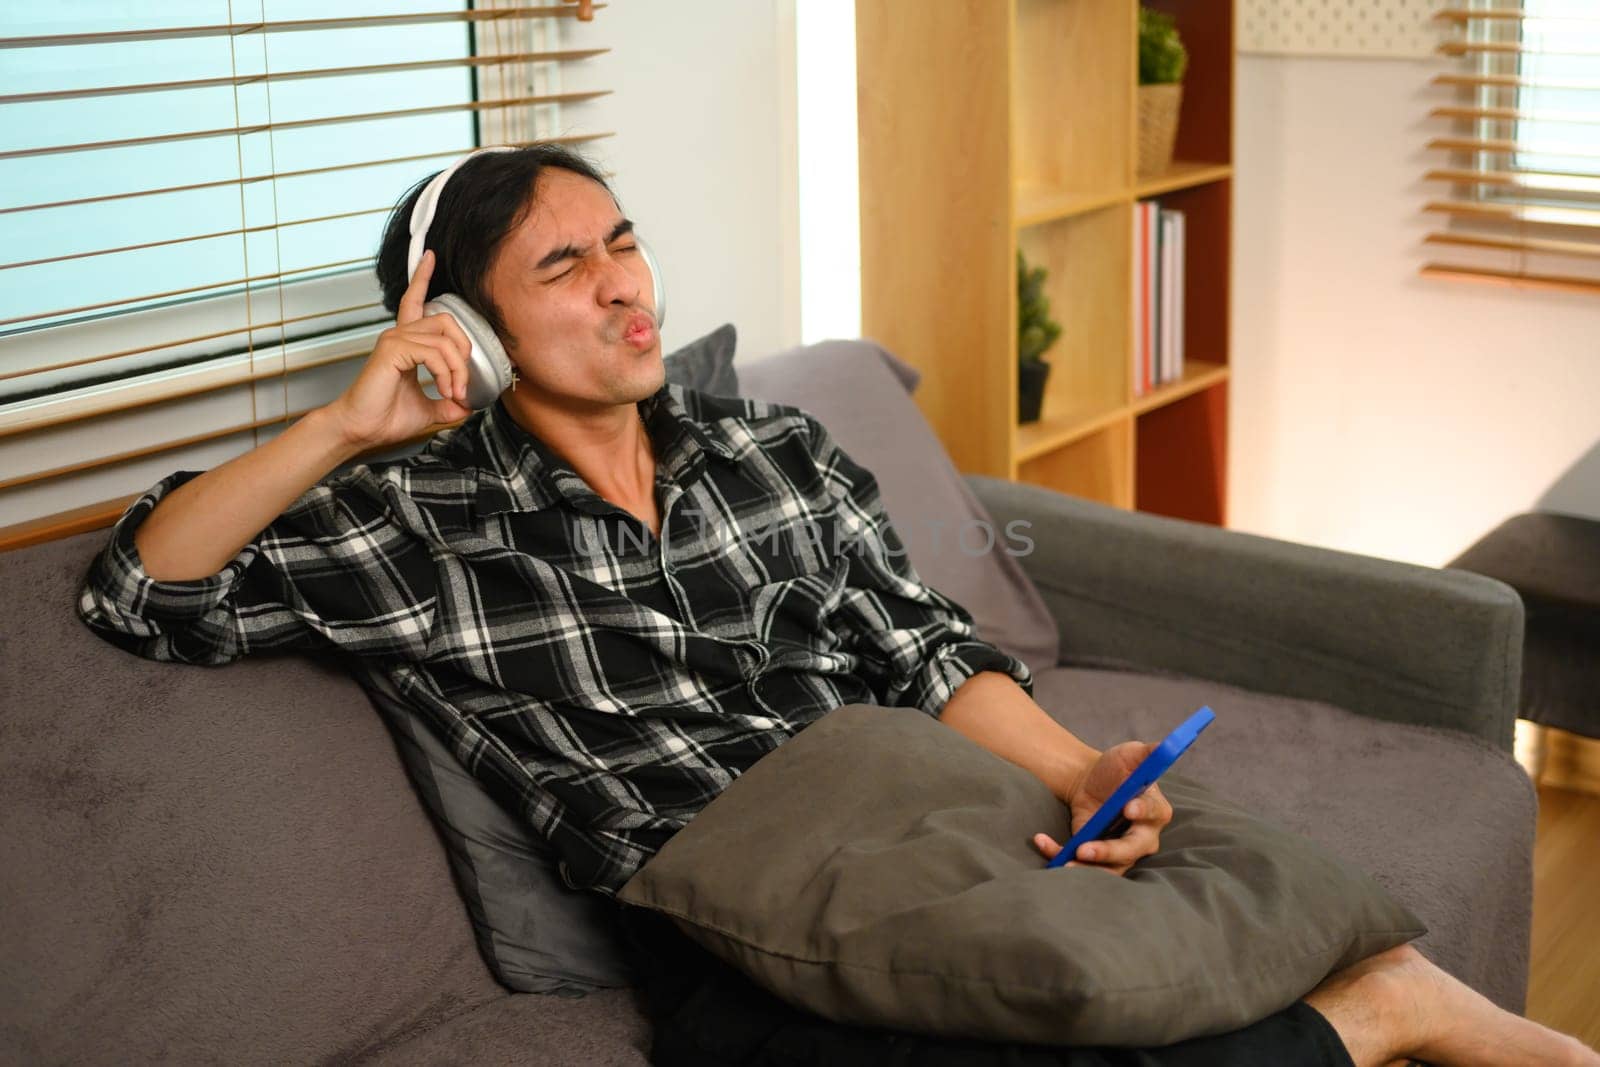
638 321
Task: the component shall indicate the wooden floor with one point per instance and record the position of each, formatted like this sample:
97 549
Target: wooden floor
1564 980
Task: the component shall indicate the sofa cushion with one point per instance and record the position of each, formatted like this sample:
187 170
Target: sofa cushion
202 864
604 1029
905 893
861 394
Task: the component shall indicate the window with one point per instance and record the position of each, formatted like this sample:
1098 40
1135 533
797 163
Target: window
1525 148
1557 131
191 193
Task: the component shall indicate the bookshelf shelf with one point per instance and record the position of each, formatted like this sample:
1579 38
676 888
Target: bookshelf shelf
1182 176
1197 375
989 129
1034 439
1038 206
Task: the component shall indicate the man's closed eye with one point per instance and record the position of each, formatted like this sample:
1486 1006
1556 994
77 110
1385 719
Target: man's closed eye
569 270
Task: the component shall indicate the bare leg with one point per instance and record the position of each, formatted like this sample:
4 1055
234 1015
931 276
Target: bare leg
1398 1005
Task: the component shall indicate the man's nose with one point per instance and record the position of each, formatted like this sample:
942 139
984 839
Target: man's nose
617 283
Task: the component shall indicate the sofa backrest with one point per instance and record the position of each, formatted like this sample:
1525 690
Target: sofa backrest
203 858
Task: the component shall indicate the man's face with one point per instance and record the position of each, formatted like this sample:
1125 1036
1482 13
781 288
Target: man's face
569 286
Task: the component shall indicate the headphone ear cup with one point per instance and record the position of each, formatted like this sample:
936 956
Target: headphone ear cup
489 370
660 292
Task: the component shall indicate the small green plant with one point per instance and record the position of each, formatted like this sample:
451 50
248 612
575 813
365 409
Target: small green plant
1162 57
1035 331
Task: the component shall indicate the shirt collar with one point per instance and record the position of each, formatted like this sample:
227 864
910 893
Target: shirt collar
522 473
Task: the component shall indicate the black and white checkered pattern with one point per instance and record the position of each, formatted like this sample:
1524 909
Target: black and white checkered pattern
605 683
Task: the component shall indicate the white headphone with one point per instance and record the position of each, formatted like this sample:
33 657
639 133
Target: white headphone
489 371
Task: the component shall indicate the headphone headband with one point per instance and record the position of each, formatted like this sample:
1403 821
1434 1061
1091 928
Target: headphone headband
428 202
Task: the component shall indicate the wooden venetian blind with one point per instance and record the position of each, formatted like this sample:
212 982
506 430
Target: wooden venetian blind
191 195
1518 149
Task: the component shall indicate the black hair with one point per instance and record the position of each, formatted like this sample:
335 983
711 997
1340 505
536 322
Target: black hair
481 204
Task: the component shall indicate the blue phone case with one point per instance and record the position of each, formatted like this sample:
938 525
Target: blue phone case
1109 821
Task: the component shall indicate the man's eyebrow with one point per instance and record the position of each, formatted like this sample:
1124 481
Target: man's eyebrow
570 251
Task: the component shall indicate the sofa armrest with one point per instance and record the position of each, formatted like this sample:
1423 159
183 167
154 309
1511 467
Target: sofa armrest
1392 640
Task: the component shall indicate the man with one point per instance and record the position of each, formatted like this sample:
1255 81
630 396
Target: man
605 694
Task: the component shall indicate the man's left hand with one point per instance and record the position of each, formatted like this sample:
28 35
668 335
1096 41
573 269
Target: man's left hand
1147 814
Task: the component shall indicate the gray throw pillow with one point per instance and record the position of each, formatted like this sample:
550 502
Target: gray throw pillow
903 892
706 365
536 933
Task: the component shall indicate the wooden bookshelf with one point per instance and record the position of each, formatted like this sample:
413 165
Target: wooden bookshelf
997 125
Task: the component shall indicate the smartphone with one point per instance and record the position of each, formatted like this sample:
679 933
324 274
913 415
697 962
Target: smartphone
1109 820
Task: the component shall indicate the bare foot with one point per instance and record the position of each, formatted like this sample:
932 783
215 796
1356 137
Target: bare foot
1397 1004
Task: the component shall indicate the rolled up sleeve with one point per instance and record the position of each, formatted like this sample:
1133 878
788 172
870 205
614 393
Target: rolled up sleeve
331 571
171 620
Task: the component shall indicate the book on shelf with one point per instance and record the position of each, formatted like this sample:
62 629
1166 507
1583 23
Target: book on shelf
1158 282
1143 283
1172 232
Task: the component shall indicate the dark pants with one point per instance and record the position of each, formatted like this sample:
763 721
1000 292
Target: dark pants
706 1014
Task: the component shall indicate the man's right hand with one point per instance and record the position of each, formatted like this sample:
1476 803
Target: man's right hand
199 526
385 404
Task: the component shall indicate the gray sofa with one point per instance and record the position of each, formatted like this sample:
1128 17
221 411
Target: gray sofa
229 865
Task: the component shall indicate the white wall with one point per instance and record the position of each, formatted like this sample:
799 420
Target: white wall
1372 410
704 156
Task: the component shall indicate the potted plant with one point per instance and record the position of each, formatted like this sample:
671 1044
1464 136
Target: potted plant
1035 334
1162 61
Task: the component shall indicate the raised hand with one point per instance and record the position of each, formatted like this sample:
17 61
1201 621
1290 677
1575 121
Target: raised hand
386 404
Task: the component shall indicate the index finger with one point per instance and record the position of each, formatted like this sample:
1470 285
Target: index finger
416 294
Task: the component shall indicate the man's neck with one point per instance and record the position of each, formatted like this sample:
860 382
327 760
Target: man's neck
609 449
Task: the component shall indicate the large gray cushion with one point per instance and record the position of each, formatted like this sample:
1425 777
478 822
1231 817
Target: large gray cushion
905 893
861 393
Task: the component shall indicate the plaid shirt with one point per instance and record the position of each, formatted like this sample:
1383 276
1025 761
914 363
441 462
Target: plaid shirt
604 683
